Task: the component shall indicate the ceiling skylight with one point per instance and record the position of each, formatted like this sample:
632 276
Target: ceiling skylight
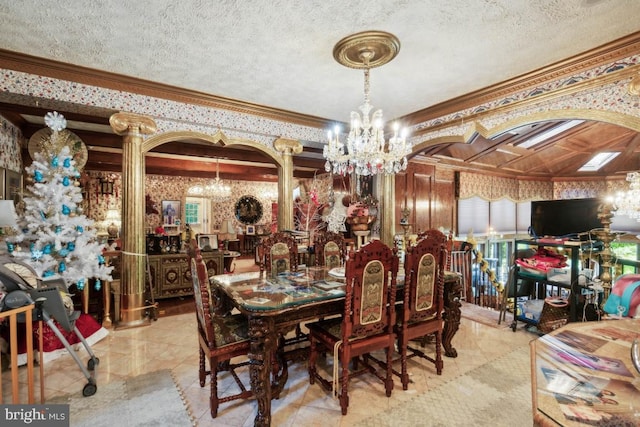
598 161
550 133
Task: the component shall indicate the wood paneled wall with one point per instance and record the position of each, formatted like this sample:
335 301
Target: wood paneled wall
429 195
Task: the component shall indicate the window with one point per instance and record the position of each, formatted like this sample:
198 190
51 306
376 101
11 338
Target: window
192 213
473 216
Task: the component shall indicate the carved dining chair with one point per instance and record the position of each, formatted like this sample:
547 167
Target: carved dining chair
221 335
366 325
330 249
278 253
423 300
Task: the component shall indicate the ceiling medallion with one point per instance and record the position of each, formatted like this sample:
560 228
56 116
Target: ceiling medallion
366 152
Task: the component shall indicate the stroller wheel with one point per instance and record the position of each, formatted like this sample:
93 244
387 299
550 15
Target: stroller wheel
91 363
89 389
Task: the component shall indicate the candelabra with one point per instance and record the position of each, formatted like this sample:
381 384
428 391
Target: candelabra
605 213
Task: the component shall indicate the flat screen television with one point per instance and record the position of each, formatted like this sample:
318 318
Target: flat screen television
564 218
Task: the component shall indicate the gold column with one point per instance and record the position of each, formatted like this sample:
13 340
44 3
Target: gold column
285 181
387 210
133 257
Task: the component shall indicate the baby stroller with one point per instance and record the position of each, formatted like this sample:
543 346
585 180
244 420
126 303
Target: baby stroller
49 305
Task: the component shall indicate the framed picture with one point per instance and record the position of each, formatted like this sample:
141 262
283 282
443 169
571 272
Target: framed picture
171 212
208 242
12 185
251 230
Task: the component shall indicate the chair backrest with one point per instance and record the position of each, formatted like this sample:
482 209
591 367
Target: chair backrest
201 293
278 253
424 280
371 274
330 249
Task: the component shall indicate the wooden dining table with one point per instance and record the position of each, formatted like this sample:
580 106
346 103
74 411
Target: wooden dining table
274 306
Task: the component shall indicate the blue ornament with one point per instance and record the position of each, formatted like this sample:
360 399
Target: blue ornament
58 229
66 210
79 229
67 162
37 176
10 247
100 259
71 246
98 285
43 216
65 181
47 273
54 162
62 267
47 250
80 284
63 252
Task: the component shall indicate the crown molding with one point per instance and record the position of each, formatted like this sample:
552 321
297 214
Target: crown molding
89 76
603 55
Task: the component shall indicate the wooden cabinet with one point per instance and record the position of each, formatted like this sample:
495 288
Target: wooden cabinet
171 273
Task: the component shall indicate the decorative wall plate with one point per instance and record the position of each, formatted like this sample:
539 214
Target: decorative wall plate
40 140
248 210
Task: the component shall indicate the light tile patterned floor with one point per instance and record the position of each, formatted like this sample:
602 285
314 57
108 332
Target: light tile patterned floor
171 343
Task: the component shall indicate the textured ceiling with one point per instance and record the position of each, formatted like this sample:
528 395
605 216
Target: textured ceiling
278 53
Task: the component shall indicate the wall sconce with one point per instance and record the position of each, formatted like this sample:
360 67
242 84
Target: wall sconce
113 217
106 187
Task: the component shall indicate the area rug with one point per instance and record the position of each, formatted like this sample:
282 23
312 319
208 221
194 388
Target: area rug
495 394
151 399
486 316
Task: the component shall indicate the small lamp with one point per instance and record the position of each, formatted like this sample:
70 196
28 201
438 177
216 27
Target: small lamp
229 231
113 217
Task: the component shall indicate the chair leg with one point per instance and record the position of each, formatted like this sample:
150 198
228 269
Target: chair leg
388 384
313 355
213 398
439 362
403 363
344 395
202 373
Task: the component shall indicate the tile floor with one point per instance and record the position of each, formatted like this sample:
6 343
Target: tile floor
170 342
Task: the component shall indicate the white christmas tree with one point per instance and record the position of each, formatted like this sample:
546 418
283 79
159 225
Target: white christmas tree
55 237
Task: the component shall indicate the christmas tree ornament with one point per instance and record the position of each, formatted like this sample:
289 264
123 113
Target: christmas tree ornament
80 284
67 162
47 250
66 210
10 247
55 121
36 254
65 181
63 252
100 259
98 285
37 176
48 273
71 246
62 267
79 229
58 229
55 161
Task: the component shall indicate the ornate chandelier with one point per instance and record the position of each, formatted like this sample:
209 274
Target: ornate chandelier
628 202
366 152
217 191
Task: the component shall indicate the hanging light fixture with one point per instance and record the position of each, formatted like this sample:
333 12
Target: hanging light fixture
627 203
366 152
217 191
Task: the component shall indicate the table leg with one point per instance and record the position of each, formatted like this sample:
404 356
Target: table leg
263 342
452 313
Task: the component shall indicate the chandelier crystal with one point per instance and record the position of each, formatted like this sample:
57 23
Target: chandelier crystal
217 190
627 203
366 152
